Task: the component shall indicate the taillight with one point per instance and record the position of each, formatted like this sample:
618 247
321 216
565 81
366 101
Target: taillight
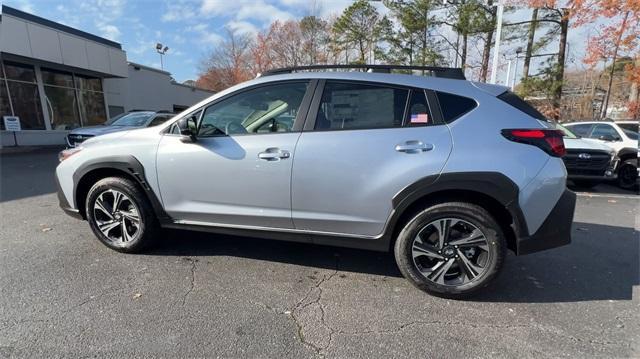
550 141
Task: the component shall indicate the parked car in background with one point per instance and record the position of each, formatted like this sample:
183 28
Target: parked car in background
623 140
353 159
588 162
131 120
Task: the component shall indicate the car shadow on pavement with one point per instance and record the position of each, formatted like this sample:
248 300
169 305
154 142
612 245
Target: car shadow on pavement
601 263
196 244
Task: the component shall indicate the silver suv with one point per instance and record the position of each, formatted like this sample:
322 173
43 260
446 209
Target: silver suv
446 173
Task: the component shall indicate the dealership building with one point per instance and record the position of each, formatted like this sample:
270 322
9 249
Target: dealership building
55 78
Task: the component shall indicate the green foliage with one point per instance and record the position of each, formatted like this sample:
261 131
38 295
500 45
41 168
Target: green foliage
357 27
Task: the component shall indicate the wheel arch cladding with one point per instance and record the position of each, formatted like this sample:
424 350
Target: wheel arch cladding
493 191
114 166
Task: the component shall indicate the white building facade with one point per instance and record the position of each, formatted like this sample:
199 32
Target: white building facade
55 78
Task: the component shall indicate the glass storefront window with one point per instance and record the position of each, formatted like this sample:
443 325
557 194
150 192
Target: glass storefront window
93 108
19 72
62 107
88 83
5 107
26 105
57 78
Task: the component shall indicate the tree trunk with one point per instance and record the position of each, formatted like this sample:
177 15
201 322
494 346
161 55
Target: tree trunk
613 67
528 53
463 56
557 92
486 51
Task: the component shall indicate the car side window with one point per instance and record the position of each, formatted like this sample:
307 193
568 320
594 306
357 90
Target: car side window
159 120
454 106
418 111
582 129
604 131
353 106
265 109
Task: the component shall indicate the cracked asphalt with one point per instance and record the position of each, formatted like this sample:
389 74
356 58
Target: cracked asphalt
63 294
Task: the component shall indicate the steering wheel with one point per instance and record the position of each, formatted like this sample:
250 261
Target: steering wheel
234 128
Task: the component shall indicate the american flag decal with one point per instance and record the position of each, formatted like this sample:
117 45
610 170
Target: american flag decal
420 118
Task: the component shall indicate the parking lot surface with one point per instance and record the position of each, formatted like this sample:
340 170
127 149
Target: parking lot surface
63 294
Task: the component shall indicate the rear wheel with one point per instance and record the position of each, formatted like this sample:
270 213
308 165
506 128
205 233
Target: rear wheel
451 249
120 215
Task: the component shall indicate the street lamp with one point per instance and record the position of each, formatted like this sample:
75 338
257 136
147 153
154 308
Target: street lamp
161 51
515 71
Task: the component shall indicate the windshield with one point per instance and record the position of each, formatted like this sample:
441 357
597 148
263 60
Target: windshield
565 131
631 134
134 119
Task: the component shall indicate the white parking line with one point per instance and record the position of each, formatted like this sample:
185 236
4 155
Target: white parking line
607 195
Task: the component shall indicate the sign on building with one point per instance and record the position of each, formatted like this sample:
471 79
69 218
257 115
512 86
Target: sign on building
12 123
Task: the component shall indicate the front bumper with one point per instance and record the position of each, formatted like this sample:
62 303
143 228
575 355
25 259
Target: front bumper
64 204
555 231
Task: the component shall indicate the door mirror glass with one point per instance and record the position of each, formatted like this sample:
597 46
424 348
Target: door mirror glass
188 128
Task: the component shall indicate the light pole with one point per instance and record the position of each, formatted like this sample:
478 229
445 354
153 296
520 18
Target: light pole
161 51
496 49
515 71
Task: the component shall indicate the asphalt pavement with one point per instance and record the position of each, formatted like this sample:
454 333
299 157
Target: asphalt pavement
63 294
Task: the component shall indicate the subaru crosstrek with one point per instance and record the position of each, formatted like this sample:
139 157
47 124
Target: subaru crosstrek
446 173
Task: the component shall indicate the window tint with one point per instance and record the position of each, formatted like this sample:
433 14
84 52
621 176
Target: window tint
602 130
581 130
515 101
454 106
629 126
265 109
351 106
631 134
418 113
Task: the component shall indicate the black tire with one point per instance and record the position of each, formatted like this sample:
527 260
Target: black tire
470 214
628 174
585 184
135 202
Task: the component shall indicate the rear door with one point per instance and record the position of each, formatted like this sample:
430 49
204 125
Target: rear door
362 143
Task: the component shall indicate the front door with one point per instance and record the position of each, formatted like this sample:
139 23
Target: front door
368 142
238 172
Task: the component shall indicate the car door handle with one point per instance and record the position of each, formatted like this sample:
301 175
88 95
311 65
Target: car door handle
274 154
414 147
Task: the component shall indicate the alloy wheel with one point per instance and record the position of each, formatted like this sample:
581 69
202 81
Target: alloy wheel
117 217
451 252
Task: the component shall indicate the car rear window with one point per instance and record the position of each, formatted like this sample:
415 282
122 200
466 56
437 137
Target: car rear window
454 106
515 101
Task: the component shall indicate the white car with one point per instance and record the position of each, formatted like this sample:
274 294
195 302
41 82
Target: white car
621 137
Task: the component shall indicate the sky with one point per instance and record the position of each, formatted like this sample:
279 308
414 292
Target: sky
191 28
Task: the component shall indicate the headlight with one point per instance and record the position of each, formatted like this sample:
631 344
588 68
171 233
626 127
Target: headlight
64 154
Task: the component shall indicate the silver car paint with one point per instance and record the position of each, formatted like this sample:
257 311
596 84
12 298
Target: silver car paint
343 181
222 180
475 140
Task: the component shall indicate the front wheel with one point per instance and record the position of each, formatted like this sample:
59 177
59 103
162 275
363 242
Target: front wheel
451 249
628 174
120 215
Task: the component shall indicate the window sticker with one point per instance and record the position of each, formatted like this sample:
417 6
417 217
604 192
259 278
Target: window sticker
420 118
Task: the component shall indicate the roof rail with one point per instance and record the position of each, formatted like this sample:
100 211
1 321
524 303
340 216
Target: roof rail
435 71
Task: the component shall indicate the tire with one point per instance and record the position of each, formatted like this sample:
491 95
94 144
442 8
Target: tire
455 283
585 184
628 174
132 204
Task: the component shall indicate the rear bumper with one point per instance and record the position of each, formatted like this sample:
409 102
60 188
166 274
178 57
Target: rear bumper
555 231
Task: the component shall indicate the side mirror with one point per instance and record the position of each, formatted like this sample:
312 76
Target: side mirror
188 129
